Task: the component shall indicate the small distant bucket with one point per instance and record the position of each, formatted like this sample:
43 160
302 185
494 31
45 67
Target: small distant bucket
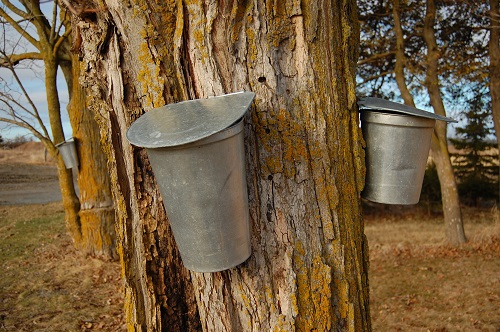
398 139
68 153
196 151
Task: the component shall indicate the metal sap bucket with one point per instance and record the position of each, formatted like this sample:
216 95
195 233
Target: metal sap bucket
398 139
68 153
197 154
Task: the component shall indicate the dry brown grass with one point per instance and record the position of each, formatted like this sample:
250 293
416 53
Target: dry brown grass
45 285
28 153
419 283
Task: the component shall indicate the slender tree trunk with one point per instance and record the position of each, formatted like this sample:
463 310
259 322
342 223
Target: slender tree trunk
439 146
400 66
70 199
97 214
494 52
305 164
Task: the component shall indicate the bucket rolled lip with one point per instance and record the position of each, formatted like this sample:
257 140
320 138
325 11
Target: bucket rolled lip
374 104
188 121
69 140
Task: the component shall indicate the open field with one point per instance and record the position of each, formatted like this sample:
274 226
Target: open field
45 285
27 175
418 283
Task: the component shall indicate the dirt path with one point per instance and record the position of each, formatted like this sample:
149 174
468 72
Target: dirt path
27 176
22 183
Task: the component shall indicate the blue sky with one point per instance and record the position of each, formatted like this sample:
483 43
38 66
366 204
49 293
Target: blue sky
33 83
31 75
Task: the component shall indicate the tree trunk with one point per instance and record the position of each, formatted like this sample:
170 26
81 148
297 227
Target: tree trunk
494 53
97 214
399 69
439 147
70 200
305 164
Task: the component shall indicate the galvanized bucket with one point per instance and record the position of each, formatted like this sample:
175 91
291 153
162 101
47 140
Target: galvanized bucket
68 153
199 165
398 139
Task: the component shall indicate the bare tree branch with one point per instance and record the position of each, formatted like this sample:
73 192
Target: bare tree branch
376 57
40 22
16 10
14 59
374 77
22 31
35 112
53 33
59 42
27 126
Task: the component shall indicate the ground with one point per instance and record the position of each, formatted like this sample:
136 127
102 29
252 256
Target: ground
27 176
417 281
45 284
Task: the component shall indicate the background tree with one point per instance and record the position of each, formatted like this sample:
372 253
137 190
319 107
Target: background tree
494 68
439 143
90 218
439 60
305 163
475 163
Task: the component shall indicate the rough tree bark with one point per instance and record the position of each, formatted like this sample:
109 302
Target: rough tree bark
305 163
96 213
439 145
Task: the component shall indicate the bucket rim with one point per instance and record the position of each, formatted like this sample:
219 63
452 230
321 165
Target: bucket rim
392 118
378 104
68 141
188 121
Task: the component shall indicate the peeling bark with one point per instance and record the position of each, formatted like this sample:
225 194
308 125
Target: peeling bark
305 164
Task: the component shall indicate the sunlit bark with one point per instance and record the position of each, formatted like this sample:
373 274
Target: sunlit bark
305 164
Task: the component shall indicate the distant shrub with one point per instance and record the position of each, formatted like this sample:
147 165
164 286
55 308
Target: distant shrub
478 191
476 160
430 198
15 142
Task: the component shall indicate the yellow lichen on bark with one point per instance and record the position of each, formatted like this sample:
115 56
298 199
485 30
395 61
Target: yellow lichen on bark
152 83
284 140
313 290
